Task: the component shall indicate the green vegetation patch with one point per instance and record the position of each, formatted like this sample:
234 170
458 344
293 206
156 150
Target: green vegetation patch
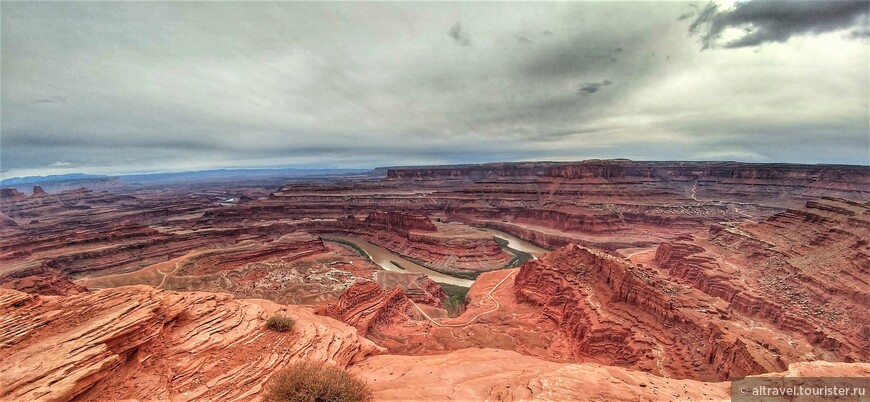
396 263
455 274
455 302
349 244
520 257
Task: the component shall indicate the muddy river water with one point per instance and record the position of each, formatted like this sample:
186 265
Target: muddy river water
387 259
516 243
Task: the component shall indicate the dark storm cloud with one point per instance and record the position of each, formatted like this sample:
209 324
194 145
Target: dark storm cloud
155 86
777 21
593 87
459 34
860 33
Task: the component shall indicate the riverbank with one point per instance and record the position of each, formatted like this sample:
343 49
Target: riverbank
393 262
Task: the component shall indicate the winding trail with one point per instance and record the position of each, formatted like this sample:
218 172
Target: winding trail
164 275
497 306
742 213
628 257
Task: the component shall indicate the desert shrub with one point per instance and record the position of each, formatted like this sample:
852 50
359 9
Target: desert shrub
280 323
310 381
455 302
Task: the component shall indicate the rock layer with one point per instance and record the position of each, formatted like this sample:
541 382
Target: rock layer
492 374
138 342
368 308
806 271
609 310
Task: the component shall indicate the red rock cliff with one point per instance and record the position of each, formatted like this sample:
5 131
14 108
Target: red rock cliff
400 222
367 307
608 310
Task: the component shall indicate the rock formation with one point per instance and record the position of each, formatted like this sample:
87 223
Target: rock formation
368 308
609 310
11 194
805 270
6 221
142 343
400 222
417 287
492 374
822 176
38 192
292 246
46 282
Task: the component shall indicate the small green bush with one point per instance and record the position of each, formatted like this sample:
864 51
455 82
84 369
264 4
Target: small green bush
455 302
280 323
310 381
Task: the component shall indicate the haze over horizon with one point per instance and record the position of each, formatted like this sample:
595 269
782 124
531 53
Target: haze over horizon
116 88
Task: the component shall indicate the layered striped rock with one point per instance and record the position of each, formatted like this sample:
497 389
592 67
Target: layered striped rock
369 308
500 375
806 271
607 310
138 342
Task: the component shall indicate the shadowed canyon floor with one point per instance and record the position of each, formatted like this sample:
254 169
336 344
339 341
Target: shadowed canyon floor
584 280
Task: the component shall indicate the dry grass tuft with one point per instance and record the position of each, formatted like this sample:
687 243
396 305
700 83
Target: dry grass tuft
280 323
309 381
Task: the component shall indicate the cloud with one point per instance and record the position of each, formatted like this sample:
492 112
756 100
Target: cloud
53 99
753 23
861 33
131 87
592 87
459 34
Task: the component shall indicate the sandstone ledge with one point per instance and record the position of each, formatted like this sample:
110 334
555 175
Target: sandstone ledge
139 342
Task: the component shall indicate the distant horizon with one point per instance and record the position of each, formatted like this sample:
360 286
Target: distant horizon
86 175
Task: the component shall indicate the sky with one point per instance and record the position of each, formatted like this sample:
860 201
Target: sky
116 88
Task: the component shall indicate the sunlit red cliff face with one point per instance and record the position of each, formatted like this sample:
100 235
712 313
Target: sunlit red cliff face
674 275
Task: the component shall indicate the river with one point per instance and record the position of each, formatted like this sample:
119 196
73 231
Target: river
385 258
516 243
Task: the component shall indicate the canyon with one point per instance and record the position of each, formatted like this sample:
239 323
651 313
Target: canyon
600 279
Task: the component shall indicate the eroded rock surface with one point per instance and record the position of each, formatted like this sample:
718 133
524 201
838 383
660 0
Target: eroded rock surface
369 308
139 342
492 374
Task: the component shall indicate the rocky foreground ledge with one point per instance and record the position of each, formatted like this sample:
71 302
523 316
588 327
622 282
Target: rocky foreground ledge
502 375
141 343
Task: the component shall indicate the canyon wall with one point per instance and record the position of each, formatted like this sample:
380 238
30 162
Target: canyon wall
806 271
829 176
369 308
609 310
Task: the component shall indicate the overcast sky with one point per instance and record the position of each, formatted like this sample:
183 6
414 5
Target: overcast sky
135 87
